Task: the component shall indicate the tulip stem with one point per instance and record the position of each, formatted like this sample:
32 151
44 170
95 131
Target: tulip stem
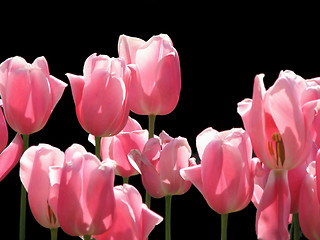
152 121
54 233
168 217
86 237
224 226
295 227
125 180
23 197
98 146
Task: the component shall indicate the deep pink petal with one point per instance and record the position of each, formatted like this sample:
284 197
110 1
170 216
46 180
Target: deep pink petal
174 156
274 208
99 193
193 174
10 156
4 132
77 85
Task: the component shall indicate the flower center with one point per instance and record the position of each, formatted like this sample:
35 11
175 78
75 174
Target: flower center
276 149
52 217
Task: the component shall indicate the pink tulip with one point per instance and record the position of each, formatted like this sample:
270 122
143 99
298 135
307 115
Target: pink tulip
118 147
156 81
35 166
132 219
225 175
278 121
101 95
160 164
86 200
29 93
309 207
9 156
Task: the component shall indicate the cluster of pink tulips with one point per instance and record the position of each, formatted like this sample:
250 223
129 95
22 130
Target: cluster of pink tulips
74 190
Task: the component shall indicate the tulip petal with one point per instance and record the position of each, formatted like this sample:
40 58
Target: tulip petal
128 46
4 132
193 174
287 114
149 220
77 85
10 156
204 138
274 207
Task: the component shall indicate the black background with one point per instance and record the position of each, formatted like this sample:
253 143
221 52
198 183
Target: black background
221 48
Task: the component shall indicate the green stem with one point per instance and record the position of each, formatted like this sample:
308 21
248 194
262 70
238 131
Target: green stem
224 226
54 233
87 237
98 146
168 217
23 198
152 121
295 226
147 200
125 180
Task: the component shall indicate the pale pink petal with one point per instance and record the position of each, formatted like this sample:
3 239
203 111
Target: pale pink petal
286 112
128 46
274 208
204 138
39 184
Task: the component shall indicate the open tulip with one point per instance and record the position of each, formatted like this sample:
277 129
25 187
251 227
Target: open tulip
118 147
225 176
156 81
278 121
35 166
29 93
132 219
9 156
160 164
101 95
86 200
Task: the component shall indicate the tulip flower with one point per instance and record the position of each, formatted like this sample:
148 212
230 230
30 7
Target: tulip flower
9 156
160 164
278 122
101 95
29 93
132 219
156 81
85 202
309 206
225 176
118 147
35 166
